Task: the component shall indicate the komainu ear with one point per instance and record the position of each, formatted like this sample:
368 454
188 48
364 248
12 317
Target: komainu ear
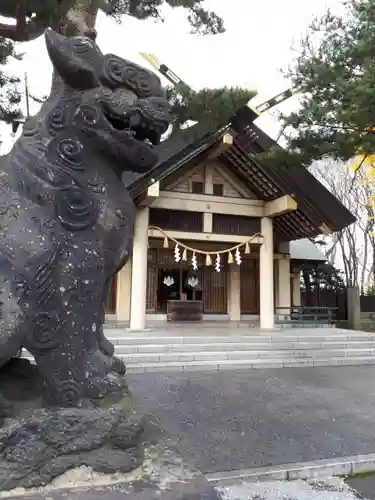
74 71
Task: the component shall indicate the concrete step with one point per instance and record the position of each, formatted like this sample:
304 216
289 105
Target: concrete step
239 360
246 364
236 355
160 352
211 351
230 339
122 346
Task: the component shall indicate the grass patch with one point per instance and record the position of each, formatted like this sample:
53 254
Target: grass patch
359 475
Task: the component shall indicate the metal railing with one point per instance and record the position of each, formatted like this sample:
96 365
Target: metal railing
305 316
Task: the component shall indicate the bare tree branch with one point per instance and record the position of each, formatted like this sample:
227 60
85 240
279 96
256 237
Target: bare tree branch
24 32
27 29
353 248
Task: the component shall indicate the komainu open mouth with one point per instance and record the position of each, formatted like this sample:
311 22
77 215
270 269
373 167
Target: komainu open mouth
132 122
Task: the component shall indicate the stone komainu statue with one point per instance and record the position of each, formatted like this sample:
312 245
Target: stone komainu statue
66 219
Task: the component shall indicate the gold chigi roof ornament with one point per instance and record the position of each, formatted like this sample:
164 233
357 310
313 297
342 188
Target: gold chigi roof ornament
236 249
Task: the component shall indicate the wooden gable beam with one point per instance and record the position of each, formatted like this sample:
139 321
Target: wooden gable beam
283 205
170 200
324 229
222 147
152 193
234 181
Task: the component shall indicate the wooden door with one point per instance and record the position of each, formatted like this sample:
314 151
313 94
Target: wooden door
214 291
152 288
110 303
249 271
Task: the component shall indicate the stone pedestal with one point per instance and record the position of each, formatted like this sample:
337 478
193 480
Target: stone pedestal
164 474
39 442
165 487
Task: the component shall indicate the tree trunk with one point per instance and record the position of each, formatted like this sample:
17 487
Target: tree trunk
79 21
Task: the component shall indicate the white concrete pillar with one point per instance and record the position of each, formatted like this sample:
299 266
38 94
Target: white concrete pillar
124 285
266 283
296 291
283 287
139 271
234 295
354 309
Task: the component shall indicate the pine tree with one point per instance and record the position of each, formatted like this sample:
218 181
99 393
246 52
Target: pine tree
216 105
77 17
9 96
72 17
335 76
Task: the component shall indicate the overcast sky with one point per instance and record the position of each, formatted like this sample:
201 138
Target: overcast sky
257 44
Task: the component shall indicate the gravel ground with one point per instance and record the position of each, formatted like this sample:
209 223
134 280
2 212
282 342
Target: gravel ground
328 489
242 419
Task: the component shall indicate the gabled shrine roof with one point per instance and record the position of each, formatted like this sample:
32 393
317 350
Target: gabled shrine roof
317 207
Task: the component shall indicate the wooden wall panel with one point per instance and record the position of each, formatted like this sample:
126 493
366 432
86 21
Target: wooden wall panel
152 256
249 271
235 224
165 258
185 185
228 188
176 220
152 286
215 288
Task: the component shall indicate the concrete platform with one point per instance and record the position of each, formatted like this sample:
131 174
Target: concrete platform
258 418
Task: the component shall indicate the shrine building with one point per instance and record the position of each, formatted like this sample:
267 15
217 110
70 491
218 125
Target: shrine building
220 233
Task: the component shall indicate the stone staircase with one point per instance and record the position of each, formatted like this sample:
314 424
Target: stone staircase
158 351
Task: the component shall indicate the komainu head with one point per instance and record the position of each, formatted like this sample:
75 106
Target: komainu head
115 108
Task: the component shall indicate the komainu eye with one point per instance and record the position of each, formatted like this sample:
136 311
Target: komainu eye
114 68
138 80
130 74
